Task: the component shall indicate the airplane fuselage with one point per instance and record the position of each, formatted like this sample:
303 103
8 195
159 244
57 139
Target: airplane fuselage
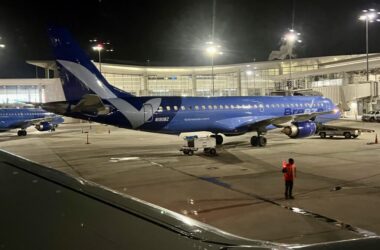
226 115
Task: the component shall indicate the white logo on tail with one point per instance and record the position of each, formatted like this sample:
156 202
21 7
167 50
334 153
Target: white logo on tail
134 116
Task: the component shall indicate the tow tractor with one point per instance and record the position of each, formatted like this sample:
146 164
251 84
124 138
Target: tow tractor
194 143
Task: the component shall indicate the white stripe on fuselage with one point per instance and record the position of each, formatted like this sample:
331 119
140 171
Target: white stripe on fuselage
134 116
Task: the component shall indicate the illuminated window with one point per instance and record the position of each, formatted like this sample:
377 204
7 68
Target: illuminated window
160 109
238 106
297 105
292 105
190 108
301 105
183 107
267 106
255 106
272 105
220 106
209 107
196 107
232 106
175 107
226 106
168 108
203 107
261 106
287 105
215 107
282 105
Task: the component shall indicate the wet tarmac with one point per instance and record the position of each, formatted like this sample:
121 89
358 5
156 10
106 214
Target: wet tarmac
337 190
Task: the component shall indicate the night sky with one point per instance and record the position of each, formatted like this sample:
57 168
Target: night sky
171 33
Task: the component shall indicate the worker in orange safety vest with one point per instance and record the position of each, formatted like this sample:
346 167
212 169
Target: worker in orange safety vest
289 170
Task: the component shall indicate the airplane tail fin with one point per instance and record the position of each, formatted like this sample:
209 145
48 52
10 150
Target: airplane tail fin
79 76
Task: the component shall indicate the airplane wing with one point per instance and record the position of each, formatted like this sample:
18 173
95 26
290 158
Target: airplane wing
91 104
27 123
280 121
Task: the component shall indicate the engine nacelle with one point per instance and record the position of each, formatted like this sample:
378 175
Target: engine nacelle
44 126
300 129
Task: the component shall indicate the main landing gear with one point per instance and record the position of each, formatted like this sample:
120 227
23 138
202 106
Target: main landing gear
258 141
21 132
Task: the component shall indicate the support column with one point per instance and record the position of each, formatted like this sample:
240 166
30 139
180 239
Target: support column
47 73
39 89
145 79
194 84
239 91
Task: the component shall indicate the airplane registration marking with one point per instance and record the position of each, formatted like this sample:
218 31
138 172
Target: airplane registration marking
161 119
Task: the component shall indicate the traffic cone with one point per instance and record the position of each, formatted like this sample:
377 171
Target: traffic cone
376 139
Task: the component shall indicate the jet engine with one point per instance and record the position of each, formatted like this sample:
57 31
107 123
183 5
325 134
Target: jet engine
300 129
44 126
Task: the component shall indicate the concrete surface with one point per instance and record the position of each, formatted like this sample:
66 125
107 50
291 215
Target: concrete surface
337 190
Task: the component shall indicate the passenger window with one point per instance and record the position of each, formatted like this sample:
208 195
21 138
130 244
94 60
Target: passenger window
292 105
215 107
160 109
203 107
196 107
232 107
301 105
261 106
226 106
267 106
190 108
255 106
272 105
175 108
183 108
296 105
238 106
282 105
220 106
209 107
168 108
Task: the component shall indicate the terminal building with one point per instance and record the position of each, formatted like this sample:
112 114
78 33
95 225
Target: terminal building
341 78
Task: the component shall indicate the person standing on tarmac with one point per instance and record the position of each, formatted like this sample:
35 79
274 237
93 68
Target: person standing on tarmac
289 170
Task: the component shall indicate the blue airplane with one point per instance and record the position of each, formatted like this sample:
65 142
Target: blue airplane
13 118
89 96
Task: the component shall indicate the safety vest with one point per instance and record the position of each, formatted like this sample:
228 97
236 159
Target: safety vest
290 172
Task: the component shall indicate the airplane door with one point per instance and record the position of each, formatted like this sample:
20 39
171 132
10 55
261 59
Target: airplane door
148 113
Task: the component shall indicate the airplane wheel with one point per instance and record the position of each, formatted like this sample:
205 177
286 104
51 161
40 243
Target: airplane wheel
212 151
19 133
322 135
191 152
254 141
347 135
262 141
219 139
24 132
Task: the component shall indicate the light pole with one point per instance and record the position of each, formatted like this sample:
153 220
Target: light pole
369 16
291 38
2 45
212 50
99 47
